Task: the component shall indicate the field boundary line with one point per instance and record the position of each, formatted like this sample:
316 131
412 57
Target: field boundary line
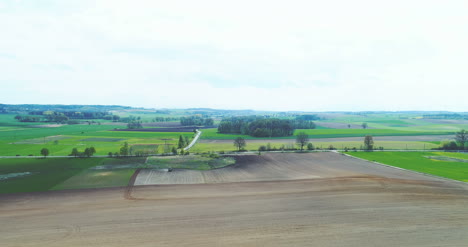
131 183
403 169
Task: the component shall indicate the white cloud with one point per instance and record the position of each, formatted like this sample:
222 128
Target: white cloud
294 55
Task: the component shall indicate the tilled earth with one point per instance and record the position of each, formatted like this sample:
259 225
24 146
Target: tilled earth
338 201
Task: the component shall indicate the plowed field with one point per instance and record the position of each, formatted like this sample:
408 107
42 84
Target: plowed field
316 199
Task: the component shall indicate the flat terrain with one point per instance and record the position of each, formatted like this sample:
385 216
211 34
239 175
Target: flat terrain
444 164
292 139
328 200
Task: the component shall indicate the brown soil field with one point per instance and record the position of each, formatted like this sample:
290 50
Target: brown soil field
342 139
163 124
349 203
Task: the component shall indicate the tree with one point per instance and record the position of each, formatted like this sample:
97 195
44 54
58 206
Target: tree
87 152
349 126
239 142
174 150
181 142
124 149
45 152
364 125
368 142
75 152
302 139
90 151
461 137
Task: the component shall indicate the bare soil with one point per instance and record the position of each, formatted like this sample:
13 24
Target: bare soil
350 203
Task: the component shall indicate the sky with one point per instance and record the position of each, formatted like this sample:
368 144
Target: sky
293 55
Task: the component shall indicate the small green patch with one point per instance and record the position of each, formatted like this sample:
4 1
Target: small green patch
43 174
189 162
97 179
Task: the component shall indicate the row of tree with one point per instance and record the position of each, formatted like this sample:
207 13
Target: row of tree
257 126
55 118
196 121
88 152
164 119
135 125
461 138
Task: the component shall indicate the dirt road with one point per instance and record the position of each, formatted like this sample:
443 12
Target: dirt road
349 203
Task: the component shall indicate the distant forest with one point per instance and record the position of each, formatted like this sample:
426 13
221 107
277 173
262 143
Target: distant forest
196 121
446 116
263 127
64 117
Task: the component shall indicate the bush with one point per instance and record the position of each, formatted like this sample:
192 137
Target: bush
310 146
262 148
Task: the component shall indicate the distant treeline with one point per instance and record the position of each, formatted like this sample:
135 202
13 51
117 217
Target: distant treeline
64 117
196 121
445 116
165 119
77 115
307 117
262 127
24 108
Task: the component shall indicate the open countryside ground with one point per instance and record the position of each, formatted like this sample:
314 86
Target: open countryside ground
337 133
343 202
445 164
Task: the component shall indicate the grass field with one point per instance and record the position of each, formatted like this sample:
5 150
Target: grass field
97 179
421 162
22 139
189 162
253 146
330 133
30 175
45 173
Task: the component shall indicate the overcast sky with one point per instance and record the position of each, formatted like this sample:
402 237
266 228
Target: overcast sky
266 55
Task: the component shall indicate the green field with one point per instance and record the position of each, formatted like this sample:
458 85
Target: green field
329 133
97 179
45 173
251 146
422 162
24 139
32 174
